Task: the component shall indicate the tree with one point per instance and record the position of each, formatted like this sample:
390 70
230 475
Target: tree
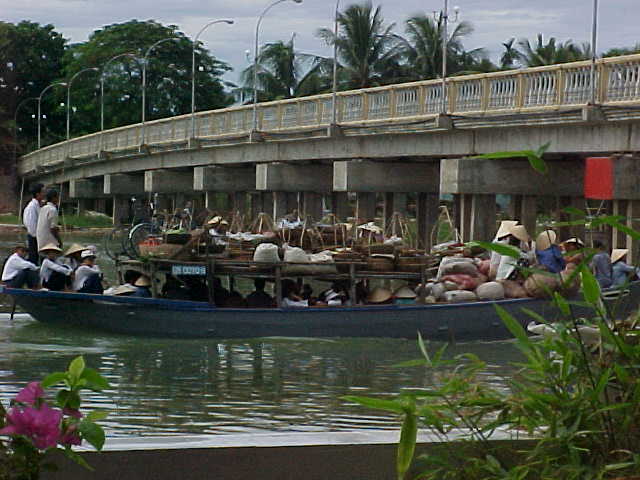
168 76
285 73
369 53
510 55
617 52
550 53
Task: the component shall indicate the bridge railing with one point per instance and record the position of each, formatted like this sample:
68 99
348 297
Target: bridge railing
552 87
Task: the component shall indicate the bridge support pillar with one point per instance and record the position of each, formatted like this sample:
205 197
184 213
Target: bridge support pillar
365 207
282 177
562 216
238 202
312 205
284 203
168 181
224 179
618 238
121 209
340 206
124 184
260 203
427 214
394 203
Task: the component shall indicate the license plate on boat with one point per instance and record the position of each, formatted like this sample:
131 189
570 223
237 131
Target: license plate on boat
200 270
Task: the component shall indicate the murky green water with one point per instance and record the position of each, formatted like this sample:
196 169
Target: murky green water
170 387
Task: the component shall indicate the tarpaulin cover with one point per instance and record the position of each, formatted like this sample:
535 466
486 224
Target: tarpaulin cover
598 178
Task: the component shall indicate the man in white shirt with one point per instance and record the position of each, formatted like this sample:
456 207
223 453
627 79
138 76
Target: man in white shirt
30 220
17 271
47 231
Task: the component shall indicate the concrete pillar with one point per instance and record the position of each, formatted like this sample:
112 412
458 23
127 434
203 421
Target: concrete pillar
123 184
168 181
238 202
84 205
427 214
633 221
529 213
515 206
365 207
121 213
483 217
284 203
388 208
463 216
101 205
312 205
619 239
340 206
261 202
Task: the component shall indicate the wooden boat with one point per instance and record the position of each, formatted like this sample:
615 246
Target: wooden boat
174 318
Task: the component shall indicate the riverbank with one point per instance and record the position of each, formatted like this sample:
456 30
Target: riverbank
71 222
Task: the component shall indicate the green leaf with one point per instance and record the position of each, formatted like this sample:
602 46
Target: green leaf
537 163
407 444
376 403
53 379
76 367
97 415
423 349
543 149
95 381
92 433
499 248
419 362
562 304
590 287
68 398
574 211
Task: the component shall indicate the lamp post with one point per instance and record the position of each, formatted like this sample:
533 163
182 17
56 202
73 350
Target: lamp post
145 59
92 69
334 98
594 55
193 72
62 84
255 60
445 42
104 68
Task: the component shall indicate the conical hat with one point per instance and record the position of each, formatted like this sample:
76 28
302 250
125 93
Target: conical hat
74 248
405 292
618 253
575 240
519 232
546 239
379 295
123 290
143 281
505 227
50 247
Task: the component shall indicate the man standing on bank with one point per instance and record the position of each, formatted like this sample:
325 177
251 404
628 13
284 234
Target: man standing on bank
30 221
47 231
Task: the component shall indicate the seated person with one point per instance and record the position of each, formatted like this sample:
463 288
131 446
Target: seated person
380 296
173 289
72 255
88 277
18 272
142 287
572 250
127 288
601 265
259 298
220 294
291 295
548 254
622 273
53 274
235 300
336 296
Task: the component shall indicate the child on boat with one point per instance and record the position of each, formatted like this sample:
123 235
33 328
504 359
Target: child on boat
53 274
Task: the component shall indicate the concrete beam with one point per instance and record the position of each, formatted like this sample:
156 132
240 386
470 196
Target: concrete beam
85 188
510 176
123 184
280 177
168 181
367 176
224 179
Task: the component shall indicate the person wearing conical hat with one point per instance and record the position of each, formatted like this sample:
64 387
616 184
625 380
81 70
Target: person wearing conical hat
73 255
404 296
53 274
518 239
573 250
380 296
621 272
502 237
548 253
143 287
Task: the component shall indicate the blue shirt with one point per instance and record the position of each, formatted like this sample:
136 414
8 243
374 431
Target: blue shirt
601 265
551 258
620 272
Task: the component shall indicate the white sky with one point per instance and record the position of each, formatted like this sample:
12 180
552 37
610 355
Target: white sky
495 21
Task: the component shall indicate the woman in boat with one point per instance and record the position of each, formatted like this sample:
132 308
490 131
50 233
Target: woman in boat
621 272
18 272
601 265
573 251
517 238
72 256
53 274
291 295
88 277
548 253
142 287
501 237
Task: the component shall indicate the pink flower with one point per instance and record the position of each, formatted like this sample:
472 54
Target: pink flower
70 437
30 394
40 425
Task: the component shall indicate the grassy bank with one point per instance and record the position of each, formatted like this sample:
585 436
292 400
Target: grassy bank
69 221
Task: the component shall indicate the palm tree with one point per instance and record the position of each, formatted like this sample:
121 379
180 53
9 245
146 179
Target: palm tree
284 73
510 55
550 53
423 47
368 51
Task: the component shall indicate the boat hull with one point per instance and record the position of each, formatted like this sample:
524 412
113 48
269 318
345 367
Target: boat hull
159 317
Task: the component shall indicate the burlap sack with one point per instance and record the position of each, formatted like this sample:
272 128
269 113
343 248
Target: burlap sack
266 252
490 291
454 265
540 285
464 282
460 296
513 289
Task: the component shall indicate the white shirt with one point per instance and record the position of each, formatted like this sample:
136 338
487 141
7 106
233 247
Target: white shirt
287 303
49 266
30 216
47 220
15 264
82 273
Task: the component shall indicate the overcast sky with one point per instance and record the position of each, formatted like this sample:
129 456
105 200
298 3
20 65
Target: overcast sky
495 21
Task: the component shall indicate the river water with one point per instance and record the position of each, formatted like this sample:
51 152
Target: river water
165 387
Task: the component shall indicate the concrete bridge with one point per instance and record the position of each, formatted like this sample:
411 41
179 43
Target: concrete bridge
392 140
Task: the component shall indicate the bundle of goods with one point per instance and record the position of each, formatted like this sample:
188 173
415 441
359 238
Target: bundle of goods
448 249
333 233
381 262
398 232
344 257
298 262
415 261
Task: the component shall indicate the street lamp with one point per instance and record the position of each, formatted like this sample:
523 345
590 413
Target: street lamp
62 84
594 55
104 68
193 73
144 79
255 61
334 102
445 41
92 69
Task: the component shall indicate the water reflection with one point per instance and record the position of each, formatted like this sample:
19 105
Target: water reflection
165 387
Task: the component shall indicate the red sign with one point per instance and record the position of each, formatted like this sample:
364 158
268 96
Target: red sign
598 178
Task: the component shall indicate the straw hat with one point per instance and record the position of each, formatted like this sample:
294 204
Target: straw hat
618 254
143 281
546 239
74 248
405 292
50 247
575 240
505 227
215 220
123 290
87 254
379 295
519 232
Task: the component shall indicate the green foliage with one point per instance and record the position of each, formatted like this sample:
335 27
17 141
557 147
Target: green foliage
534 156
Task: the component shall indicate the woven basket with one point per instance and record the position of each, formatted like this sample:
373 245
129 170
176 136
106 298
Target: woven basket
380 264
